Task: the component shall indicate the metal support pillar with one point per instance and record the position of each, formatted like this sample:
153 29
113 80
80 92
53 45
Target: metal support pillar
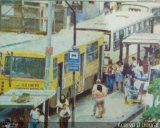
46 113
49 51
138 52
127 53
121 50
73 87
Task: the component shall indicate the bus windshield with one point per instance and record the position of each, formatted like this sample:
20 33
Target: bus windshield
24 67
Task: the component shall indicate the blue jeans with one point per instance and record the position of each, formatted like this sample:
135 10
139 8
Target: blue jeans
34 123
109 82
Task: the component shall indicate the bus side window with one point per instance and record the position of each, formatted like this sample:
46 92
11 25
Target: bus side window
107 42
55 68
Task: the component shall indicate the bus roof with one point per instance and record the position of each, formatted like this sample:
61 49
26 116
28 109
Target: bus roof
149 5
61 42
143 38
114 21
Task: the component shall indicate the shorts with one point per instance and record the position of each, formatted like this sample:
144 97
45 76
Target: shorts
99 103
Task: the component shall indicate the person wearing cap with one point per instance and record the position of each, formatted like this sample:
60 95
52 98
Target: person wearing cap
94 89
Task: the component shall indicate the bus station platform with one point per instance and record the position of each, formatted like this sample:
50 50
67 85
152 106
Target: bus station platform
116 111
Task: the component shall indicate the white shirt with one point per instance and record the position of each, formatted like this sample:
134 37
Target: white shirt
62 112
60 105
34 114
41 118
104 89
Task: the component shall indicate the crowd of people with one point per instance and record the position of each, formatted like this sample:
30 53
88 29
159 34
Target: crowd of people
123 77
118 72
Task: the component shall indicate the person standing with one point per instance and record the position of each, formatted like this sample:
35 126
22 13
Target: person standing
64 116
26 118
63 100
99 95
110 76
34 116
41 120
94 89
145 65
134 62
126 84
118 75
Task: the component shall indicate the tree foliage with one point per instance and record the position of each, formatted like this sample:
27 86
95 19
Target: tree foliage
153 113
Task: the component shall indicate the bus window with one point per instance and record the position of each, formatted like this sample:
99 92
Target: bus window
129 31
132 29
126 31
116 45
55 68
116 36
25 67
122 34
66 63
92 52
146 26
107 42
141 29
137 27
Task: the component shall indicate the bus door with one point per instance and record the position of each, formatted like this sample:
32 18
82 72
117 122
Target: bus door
60 80
82 65
106 48
100 62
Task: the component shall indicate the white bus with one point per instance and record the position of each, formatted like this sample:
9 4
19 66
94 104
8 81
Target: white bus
116 27
152 7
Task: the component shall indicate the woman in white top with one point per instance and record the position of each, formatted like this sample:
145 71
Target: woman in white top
63 100
126 84
118 74
34 114
41 120
64 116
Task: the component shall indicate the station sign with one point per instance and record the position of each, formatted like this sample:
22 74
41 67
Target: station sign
73 61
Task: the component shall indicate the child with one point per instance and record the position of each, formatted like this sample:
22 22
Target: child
127 83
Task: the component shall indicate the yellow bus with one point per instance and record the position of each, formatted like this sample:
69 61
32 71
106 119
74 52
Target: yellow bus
23 62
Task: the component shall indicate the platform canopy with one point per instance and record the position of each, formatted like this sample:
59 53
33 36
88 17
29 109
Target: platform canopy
142 38
36 97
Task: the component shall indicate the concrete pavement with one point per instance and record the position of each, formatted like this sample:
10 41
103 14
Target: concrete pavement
116 111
